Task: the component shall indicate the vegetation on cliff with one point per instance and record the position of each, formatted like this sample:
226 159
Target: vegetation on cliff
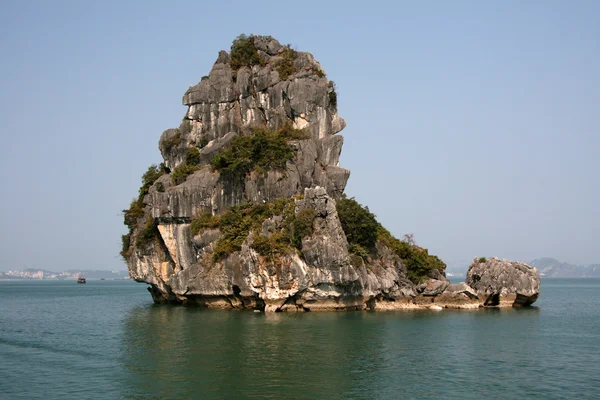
262 150
285 66
284 237
363 231
243 53
230 163
135 212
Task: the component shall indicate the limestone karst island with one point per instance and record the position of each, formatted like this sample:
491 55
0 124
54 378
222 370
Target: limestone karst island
248 208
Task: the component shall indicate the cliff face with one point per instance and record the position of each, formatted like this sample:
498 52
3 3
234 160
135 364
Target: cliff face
243 213
227 103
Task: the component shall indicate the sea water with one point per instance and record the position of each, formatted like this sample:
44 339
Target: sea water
106 340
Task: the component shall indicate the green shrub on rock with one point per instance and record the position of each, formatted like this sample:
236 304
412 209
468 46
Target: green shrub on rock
332 94
133 213
286 66
417 259
303 225
363 231
172 141
236 223
243 53
147 233
202 142
192 156
186 126
181 173
262 150
358 250
359 224
125 245
204 221
272 246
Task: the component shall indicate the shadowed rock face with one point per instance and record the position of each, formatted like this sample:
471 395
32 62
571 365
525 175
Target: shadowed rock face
318 272
504 283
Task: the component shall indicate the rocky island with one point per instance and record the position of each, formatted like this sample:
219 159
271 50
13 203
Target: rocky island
248 208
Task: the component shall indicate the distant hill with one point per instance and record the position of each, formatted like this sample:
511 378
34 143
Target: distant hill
31 273
551 268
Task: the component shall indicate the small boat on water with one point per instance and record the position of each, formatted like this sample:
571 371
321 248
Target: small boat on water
81 279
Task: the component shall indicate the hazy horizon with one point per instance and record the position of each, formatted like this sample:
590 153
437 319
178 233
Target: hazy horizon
472 125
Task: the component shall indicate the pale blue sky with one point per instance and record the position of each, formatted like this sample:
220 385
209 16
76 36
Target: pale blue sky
474 125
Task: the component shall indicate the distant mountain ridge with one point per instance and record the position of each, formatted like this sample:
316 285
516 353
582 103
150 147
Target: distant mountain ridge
552 268
41 274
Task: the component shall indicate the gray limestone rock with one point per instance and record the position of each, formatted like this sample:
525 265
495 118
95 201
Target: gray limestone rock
319 273
503 283
432 287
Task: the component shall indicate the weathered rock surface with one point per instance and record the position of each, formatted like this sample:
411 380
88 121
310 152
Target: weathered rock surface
319 273
504 283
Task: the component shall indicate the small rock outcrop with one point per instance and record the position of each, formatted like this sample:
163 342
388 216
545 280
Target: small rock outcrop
503 283
248 208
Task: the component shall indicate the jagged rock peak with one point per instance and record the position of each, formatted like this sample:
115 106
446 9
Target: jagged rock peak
259 83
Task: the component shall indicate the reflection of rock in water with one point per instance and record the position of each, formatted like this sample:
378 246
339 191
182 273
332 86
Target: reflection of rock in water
179 352
176 352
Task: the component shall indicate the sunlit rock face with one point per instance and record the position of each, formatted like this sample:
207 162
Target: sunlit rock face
316 271
504 283
226 103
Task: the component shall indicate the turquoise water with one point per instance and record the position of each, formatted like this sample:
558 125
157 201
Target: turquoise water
105 340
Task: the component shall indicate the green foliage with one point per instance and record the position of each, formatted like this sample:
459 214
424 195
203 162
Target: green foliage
181 173
205 77
418 261
204 221
202 142
163 168
262 244
148 179
243 53
265 149
186 126
360 225
482 260
318 72
192 157
284 206
286 66
363 231
270 247
303 225
159 187
236 224
358 250
332 94
356 260
172 141
125 245
133 213
148 232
